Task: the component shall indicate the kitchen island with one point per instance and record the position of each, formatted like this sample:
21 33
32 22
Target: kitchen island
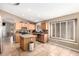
25 39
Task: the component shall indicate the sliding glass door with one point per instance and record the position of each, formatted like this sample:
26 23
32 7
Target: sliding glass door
57 29
70 30
64 30
53 28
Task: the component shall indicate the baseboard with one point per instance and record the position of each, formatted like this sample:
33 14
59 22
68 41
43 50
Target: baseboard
76 50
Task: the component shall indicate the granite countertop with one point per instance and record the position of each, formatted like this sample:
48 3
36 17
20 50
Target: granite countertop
27 35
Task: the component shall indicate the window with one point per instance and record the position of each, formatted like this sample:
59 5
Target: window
70 30
53 28
64 30
57 29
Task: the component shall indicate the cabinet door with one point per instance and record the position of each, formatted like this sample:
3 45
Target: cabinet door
44 26
44 38
18 26
31 26
17 38
22 43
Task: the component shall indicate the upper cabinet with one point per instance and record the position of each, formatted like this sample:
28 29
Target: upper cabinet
18 25
29 25
44 25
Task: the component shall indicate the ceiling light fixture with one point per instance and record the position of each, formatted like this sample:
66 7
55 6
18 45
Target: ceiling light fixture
16 3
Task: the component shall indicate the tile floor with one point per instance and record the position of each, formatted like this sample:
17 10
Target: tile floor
41 49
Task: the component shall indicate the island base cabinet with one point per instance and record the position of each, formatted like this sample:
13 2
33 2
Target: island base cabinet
24 43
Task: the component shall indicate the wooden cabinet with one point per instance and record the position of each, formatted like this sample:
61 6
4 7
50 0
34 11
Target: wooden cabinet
17 38
24 42
44 25
20 25
42 38
24 25
17 26
29 26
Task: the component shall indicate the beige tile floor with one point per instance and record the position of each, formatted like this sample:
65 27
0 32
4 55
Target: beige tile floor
41 49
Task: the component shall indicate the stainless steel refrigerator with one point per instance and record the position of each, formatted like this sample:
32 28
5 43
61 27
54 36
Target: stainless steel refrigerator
0 35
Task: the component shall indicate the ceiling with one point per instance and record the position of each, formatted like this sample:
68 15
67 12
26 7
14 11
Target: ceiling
39 11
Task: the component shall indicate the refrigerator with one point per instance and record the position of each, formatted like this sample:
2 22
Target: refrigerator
0 35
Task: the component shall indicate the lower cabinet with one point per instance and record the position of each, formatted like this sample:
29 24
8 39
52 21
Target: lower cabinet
24 43
17 38
42 38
